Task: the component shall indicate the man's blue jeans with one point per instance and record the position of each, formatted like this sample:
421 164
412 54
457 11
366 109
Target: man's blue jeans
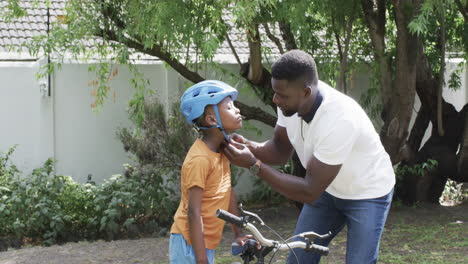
365 220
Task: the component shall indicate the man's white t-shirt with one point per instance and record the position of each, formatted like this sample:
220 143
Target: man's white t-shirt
342 133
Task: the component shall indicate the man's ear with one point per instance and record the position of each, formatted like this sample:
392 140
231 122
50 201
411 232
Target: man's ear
307 91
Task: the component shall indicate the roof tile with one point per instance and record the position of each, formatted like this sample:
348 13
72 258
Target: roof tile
23 29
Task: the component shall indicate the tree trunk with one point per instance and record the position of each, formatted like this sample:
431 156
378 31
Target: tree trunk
397 95
398 110
462 163
442 148
398 101
262 88
375 18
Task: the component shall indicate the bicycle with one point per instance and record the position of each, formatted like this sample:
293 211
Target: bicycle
249 251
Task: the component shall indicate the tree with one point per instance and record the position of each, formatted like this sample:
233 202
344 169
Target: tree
404 43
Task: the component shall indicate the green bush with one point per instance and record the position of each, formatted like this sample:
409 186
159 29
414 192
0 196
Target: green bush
263 195
51 208
7 169
48 208
158 143
132 204
36 206
402 194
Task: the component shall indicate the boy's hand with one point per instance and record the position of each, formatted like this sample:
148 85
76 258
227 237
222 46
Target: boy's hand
242 238
202 261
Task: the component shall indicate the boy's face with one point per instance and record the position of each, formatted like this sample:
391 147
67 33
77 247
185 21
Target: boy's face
230 115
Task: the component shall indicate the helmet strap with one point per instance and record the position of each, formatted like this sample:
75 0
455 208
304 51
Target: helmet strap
219 125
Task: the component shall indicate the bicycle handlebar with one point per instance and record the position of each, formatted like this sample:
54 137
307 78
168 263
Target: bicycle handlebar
230 218
318 249
240 222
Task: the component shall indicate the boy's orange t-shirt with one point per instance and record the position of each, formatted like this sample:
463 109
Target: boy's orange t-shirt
210 171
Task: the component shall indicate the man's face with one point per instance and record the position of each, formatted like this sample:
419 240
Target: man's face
287 95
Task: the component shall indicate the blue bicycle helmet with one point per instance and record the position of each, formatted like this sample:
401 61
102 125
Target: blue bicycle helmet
198 96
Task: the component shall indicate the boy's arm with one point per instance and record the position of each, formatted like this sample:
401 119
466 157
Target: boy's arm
233 209
196 224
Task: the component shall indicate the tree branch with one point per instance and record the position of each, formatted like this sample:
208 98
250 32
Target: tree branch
273 38
158 51
255 113
374 16
343 51
287 35
341 83
248 111
440 127
233 49
463 9
344 62
255 56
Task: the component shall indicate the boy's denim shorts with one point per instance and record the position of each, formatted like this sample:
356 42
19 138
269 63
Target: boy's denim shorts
180 252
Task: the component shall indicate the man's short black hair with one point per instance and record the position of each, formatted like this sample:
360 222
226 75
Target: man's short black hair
295 65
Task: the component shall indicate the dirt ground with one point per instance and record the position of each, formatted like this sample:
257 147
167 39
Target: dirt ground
407 237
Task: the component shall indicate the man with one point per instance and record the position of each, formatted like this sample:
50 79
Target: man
349 179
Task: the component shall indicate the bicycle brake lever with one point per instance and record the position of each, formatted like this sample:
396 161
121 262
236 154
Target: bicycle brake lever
312 235
250 214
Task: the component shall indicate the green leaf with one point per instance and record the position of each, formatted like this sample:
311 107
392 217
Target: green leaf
4 189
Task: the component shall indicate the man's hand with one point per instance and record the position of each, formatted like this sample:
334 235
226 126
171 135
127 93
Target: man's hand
238 138
239 154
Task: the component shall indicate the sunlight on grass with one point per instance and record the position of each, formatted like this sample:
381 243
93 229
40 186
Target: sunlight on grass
430 242
412 235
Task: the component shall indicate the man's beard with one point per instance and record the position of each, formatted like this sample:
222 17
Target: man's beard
288 113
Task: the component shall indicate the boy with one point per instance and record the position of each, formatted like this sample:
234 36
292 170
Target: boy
205 175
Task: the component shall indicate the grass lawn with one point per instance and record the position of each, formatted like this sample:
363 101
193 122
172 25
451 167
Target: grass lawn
419 234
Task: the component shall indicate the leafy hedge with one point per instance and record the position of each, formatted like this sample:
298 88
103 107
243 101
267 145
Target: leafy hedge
49 208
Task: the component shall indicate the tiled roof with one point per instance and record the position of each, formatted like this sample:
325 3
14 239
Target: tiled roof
19 31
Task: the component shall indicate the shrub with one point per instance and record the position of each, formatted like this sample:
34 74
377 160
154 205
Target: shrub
263 195
7 169
403 171
49 208
158 143
36 206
